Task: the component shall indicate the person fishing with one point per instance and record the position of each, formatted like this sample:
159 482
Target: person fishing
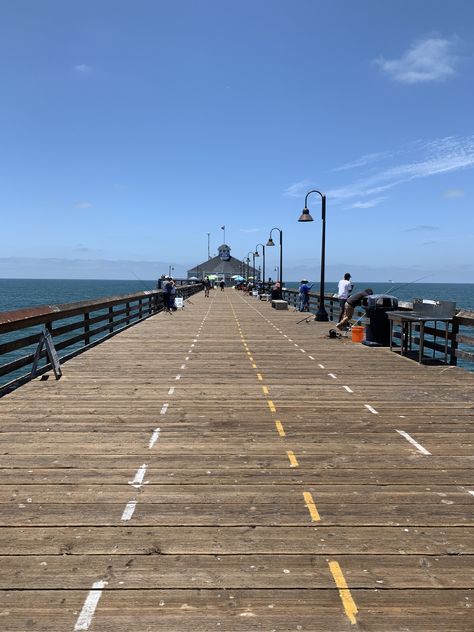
351 303
344 289
304 295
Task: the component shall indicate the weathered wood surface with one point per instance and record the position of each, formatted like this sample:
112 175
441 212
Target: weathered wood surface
221 536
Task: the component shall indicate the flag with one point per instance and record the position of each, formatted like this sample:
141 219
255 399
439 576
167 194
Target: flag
222 227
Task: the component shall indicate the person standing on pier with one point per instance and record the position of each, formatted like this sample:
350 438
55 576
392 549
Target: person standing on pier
222 285
207 287
304 295
352 302
344 289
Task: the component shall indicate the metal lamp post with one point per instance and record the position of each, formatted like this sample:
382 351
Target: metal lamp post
270 242
170 267
305 216
249 254
257 255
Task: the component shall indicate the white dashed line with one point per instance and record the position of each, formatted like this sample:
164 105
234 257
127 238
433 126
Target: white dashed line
334 377
139 476
178 377
470 491
84 619
164 408
372 410
129 510
186 358
171 391
310 357
419 447
349 390
154 438
183 366
321 366
302 351
295 344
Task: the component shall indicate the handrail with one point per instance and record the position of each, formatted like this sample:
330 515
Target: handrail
461 337
74 327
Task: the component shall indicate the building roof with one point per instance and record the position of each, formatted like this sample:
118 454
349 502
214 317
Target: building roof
217 266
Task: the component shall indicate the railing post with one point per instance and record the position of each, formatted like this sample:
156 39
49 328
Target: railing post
111 319
127 308
454 341
140 308
87 338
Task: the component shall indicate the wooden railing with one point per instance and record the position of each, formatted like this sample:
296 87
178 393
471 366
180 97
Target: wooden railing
74 327
460 335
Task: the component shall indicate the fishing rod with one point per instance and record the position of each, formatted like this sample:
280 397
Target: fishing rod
398 287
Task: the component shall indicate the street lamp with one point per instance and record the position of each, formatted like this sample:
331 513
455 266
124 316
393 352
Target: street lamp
257 255
270 242
170 267
305 216
248 259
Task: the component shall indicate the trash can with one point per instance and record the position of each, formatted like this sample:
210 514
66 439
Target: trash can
377 330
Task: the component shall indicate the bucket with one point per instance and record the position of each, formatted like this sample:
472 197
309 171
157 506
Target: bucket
357 333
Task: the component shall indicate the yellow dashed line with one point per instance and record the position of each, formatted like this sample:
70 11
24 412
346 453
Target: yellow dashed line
248 353
308 499
349 605
254 366
292 459
265 390
259 375
279 427
271 406
250 358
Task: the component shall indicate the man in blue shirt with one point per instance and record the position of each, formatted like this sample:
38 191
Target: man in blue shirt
304 295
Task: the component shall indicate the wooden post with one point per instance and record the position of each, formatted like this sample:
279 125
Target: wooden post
87 338
454 341
127 307
111 319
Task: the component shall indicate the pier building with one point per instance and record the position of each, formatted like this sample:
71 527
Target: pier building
224 266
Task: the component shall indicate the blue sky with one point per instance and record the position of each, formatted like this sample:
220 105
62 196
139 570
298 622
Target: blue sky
132 129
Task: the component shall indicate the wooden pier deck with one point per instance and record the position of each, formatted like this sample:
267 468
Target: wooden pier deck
226 469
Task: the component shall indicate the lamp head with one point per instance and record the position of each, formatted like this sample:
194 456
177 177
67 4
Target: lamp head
305 216
256 253
270 242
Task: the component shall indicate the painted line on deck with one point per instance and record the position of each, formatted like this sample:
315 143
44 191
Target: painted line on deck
347 601
311 505
271 406
183 366
302 351
254 366
349 390
154 437
138 480
417 445
178 377
265 390
372 410
259 376
310 357
292 458
321 366
334 377
129 510
470 491
164 409
171 391
280 429
86 615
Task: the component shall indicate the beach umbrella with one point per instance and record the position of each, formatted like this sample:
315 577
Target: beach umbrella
237 277
212 277
193 279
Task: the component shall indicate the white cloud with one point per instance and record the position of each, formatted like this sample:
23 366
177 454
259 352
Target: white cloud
368 203
298 189
429 59
83 205
454 193
420 227
363 160
82 68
